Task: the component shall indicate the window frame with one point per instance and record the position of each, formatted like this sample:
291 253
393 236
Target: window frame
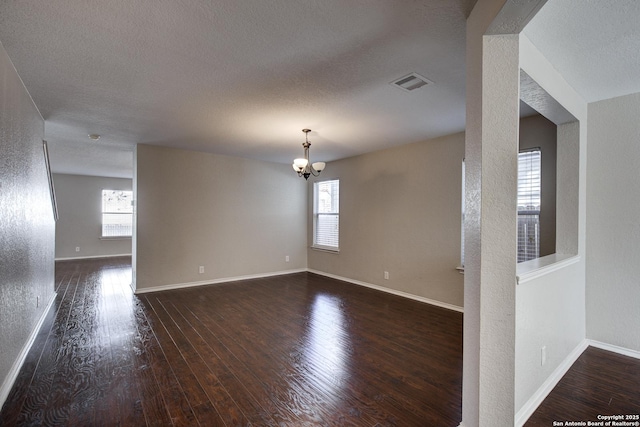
104 211
528 213
317 214
535 212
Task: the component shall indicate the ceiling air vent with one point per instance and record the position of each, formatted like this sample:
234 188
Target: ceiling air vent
411 82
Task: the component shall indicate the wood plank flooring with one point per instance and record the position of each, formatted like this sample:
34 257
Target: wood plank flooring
295 350
598 383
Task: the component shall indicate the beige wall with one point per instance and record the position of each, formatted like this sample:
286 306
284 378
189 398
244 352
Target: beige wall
399 212
550 305
236 217
613 230
27 225
537 131
80 224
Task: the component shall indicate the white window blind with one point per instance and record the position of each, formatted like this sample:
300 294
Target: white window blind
529 185
117 213
326 224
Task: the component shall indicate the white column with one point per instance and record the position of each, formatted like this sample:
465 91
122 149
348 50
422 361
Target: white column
491 155
498 228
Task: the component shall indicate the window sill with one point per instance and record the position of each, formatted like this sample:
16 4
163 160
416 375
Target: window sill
116 238
531 270
325 249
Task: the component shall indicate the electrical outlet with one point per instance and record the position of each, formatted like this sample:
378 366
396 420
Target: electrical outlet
286 259
386 275
77 248
543 355
201 269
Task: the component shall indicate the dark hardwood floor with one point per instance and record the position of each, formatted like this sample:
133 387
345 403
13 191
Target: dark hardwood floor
598 383
295 350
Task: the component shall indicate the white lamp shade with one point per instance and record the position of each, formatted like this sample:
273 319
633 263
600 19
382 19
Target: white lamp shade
319 166
300 163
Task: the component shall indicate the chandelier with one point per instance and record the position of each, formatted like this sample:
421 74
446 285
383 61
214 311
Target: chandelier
302 166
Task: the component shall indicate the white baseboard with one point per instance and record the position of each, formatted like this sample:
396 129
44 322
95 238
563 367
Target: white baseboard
215 281
91 257
391 291
11 377
615 349
538 397
280 273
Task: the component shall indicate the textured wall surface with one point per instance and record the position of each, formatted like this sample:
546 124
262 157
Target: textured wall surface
613 230
234 216
80 224
496 370
498 237
550 310
399 212
481 17
27 227
550 314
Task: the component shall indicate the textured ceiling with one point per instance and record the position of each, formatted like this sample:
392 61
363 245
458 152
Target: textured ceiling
595 44
236 77
244 77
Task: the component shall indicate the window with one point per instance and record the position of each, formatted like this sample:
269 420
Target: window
326 215
529 184
117 213
529 204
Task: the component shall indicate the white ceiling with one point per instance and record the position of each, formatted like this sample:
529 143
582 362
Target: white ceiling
594 44
245 77
236 77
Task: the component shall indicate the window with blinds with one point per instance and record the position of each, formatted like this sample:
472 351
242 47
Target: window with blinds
326 215
529 184
117 213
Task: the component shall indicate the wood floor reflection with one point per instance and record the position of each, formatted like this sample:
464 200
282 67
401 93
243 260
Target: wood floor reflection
295 350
